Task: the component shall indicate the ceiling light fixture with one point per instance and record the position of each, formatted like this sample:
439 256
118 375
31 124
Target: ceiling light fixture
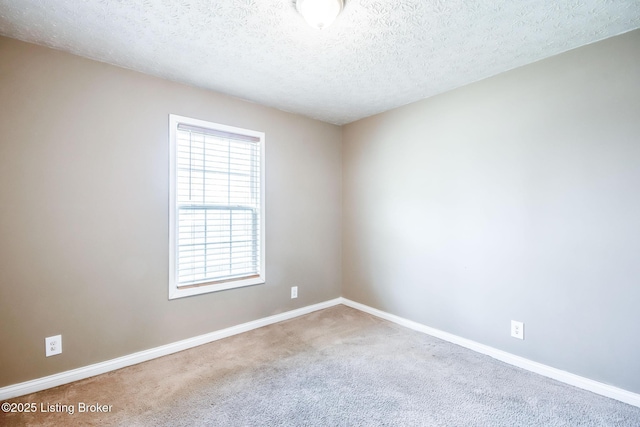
319 13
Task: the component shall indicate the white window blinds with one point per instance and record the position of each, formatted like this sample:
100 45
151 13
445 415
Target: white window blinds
218 204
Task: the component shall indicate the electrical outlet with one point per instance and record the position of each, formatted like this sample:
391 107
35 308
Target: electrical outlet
517 329
53 345
294 292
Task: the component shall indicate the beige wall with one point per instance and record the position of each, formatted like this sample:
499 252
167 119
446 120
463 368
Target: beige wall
517 197
84 212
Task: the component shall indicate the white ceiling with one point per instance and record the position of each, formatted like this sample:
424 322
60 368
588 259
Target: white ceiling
378 54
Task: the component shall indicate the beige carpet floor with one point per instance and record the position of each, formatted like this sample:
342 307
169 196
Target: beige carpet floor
337 366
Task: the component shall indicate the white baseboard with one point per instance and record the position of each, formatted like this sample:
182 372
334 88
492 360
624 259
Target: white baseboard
143 356
547 371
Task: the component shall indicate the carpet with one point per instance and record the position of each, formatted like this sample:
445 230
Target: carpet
335 367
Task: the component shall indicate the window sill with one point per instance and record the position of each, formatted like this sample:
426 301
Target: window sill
204 288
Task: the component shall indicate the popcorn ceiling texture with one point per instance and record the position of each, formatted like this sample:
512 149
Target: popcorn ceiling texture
377 55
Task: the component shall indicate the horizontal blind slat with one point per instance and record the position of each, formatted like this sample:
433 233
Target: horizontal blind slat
217 133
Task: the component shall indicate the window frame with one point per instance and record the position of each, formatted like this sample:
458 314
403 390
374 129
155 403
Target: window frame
176 291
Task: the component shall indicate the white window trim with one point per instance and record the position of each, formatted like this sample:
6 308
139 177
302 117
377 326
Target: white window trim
174 290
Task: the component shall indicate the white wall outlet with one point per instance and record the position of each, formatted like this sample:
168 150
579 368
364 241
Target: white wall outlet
517 329
294 292
53 345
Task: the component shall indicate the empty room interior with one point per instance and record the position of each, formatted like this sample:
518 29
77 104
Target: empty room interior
384 213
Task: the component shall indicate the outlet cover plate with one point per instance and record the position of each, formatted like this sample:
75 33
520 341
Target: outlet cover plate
53 345
294 292
517 329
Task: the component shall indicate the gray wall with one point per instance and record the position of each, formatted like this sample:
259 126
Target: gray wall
84 212
517 197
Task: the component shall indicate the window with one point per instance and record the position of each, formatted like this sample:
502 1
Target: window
216 216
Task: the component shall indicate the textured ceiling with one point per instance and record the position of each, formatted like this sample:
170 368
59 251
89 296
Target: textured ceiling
378 54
